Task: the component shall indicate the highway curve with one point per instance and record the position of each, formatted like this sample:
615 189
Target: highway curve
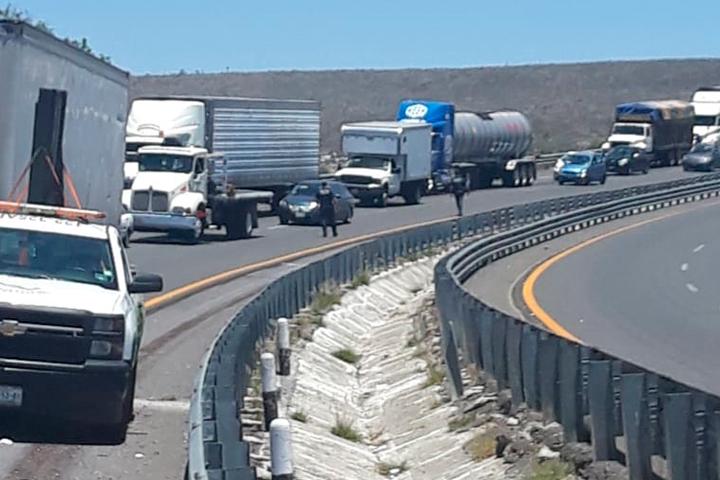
648 294
183 264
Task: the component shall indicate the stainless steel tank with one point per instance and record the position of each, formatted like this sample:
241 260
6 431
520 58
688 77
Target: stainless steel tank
502 134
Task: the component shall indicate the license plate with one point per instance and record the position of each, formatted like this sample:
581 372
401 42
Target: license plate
300 214
10 396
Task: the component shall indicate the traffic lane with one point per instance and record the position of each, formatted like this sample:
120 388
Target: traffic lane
648 295
175 341
182 264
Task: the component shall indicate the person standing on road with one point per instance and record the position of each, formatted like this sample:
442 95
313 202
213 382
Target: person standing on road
326 199
459 190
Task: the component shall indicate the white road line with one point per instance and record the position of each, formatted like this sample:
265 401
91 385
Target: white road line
163 405
684 267
692 287
698 248
277 227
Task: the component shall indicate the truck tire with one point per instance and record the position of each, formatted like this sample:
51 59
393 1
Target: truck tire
382 199
481 180
533 174
194 236
240 226
412 194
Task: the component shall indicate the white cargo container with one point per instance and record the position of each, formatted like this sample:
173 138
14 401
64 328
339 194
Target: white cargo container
60 104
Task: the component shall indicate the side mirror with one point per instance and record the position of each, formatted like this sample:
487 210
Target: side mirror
146 283
396 170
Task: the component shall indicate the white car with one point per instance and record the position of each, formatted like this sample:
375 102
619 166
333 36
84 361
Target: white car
71 319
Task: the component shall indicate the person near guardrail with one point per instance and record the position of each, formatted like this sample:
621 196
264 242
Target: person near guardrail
459 190
326 199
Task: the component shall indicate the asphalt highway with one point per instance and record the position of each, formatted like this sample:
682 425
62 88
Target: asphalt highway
183 264
649 294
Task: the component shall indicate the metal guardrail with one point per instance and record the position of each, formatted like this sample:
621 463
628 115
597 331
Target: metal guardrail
572 383
216 447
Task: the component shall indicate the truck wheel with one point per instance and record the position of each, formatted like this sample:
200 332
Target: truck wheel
193 236
412 195
241 227
533 174
382 199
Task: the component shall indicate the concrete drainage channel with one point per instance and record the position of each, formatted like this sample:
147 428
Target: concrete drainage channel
367 398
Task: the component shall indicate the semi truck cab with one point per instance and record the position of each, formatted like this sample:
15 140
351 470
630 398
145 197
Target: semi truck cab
636 134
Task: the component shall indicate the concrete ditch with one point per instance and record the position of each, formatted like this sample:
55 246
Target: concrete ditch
367 397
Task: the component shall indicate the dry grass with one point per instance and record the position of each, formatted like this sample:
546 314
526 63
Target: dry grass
435 376
324 301
550 470
361 279
299 416
482 445
347 355
460 422
344 428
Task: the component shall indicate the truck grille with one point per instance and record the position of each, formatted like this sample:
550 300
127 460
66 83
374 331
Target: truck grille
356 180
141 201
44 336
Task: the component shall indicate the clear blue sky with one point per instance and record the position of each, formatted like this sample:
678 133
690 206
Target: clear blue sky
161 36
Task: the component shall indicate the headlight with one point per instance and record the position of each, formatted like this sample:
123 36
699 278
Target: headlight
511 165
375 185
558 165
622 162
105 325
606 146
636 155
583 174
181 211
283 203
313 205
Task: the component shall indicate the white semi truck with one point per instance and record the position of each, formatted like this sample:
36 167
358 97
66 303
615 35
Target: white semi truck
706 102
192 162
386 159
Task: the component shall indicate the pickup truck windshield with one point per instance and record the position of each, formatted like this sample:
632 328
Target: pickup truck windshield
701 148
629 130
620 152
306 189
153 162
31 254
369 162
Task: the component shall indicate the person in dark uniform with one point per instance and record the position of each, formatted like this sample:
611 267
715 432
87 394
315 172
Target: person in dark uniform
459 190
326 199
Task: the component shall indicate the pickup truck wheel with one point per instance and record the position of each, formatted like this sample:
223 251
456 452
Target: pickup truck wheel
412 195
382 199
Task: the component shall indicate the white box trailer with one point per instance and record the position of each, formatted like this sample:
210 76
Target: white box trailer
62 104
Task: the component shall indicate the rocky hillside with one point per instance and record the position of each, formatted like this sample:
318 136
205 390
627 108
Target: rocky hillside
570 106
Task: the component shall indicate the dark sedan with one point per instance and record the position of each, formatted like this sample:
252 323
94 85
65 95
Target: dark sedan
626 159
301 205
703 156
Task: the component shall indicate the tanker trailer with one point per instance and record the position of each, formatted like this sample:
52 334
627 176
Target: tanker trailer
483 146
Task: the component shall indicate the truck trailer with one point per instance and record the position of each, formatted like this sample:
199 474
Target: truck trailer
202 161
62 124
386 159
661 129
482 146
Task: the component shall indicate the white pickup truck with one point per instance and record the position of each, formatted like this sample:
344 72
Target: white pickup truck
71 319
386 159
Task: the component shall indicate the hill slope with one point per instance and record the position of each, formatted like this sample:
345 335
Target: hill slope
570 106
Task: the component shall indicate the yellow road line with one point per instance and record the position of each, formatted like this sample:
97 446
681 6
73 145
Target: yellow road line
192 288
528 289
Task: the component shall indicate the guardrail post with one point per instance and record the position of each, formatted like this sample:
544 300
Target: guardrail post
281 450
515 376
677 413
269 388
548 375
570 394
700 421
283 344
486 341
602 410
635 425
529 358
499 349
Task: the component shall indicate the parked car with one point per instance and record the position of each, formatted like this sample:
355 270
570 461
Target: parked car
581 168
703 156
301 205
626 159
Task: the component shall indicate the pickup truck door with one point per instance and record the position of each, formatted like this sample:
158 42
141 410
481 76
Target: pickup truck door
394 181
